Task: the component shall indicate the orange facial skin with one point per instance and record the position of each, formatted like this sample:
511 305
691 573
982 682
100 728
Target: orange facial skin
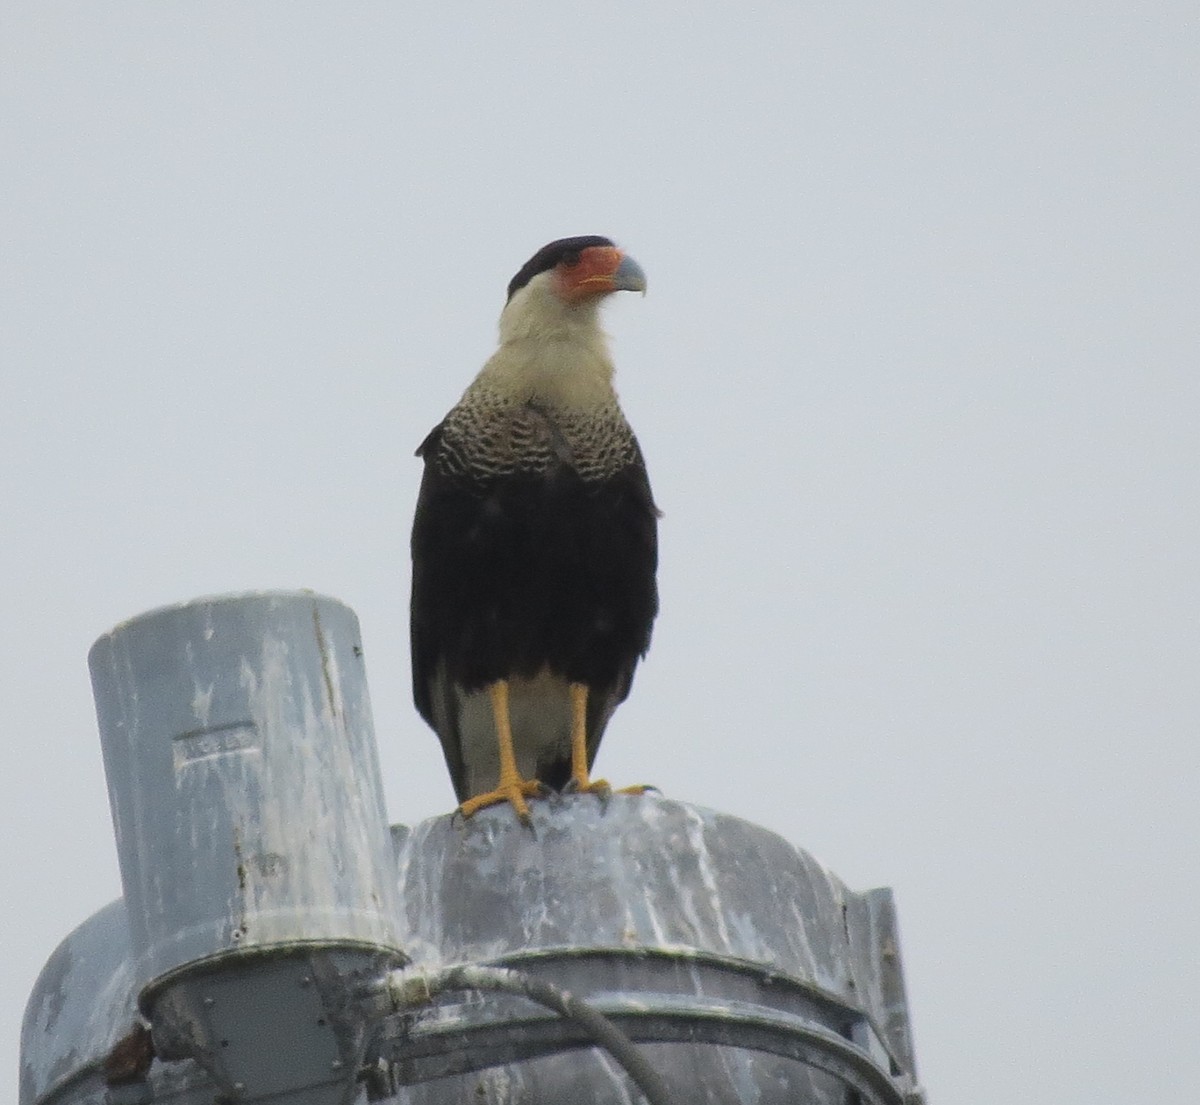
599 271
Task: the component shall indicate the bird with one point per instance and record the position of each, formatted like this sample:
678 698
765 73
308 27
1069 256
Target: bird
535 544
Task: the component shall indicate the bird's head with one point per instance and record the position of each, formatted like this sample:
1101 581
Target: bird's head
576 270
562 285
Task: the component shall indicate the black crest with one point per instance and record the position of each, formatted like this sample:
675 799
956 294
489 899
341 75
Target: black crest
549 256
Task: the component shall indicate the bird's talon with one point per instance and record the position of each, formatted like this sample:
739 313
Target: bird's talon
513 793
599 787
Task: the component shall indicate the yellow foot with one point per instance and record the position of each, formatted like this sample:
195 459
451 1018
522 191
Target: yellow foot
513 793
599 787
603 789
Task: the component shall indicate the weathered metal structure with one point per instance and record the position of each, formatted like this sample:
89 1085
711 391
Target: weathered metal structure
285 947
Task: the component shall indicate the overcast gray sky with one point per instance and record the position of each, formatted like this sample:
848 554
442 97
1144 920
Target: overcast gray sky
916 380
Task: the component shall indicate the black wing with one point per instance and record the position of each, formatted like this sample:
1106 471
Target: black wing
433 692
635 515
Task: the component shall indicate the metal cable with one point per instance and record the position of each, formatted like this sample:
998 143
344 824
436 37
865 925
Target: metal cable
407 990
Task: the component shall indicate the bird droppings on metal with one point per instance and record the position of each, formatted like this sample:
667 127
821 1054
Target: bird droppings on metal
202 704
609 877
747 972
326 663
79 1007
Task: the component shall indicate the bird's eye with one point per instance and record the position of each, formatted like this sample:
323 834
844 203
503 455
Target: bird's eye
570 260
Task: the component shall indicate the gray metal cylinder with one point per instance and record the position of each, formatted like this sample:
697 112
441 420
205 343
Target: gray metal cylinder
244 782
259 916
748 972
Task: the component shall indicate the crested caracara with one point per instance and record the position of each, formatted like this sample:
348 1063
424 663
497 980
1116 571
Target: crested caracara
534 543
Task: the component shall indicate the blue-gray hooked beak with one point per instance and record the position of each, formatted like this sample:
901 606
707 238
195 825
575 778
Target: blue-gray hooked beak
629 276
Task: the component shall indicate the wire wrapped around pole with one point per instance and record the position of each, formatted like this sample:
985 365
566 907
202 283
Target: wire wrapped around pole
408 989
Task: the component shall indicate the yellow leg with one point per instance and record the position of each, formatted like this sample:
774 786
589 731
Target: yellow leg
511 788
580 781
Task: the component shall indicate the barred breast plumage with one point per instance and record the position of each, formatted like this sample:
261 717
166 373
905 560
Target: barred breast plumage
488 435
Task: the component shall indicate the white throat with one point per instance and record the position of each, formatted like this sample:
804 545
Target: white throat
551 351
